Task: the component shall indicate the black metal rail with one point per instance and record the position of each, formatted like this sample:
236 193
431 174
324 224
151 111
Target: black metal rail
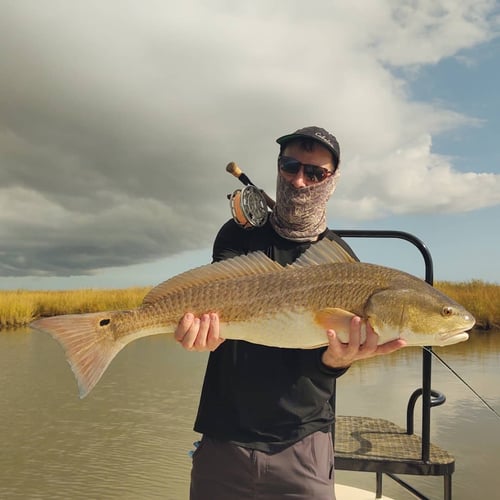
429 397
426 354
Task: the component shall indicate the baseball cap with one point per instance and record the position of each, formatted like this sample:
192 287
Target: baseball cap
319 135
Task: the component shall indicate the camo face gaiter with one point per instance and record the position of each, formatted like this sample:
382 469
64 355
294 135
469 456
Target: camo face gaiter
300 214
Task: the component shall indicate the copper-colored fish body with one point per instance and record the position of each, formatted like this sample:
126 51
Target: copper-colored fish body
262 302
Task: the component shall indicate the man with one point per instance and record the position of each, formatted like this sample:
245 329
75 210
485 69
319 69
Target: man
264 412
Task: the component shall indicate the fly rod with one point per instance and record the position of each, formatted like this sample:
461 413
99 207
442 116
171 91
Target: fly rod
247 209
441 360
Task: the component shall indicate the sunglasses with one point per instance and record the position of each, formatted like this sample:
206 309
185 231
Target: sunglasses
292 166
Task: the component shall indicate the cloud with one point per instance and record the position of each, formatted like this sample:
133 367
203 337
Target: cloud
426 31
412 180
117 118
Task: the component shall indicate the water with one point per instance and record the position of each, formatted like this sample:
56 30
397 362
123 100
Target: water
463 425
131 436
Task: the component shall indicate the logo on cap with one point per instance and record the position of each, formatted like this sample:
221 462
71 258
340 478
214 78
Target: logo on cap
324 138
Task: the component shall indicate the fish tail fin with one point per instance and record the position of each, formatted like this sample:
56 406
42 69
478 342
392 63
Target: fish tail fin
88 342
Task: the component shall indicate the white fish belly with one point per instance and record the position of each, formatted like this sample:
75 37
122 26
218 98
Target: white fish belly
286 329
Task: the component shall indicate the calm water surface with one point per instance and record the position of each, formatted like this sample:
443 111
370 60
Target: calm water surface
130 437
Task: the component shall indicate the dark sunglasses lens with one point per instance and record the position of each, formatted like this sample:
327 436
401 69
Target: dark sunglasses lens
314 173
289 165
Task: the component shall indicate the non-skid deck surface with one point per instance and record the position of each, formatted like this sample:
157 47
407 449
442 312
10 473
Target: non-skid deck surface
377 445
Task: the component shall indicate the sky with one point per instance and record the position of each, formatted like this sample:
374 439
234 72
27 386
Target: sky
118 117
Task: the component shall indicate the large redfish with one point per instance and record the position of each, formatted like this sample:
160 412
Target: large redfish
262 302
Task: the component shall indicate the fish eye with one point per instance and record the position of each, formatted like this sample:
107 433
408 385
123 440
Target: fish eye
447 311
104 322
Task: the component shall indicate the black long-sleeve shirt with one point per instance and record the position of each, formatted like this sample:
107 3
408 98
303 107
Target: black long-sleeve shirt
259 397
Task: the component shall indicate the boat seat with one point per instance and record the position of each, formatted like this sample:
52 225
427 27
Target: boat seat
377 445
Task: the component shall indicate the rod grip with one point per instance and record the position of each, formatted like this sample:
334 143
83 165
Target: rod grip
233 169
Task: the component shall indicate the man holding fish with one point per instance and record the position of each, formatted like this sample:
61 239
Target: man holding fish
264 411
296 309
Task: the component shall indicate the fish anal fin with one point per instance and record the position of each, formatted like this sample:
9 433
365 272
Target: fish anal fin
252 264
87 341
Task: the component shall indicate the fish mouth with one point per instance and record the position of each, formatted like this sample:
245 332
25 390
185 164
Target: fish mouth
451 338
458 334
454 336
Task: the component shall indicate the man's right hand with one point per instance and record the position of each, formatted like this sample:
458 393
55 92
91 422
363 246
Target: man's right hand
199 334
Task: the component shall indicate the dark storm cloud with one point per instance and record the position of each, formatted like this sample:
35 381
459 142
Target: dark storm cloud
118 118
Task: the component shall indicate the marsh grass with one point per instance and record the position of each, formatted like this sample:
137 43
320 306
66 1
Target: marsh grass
20 307
480 298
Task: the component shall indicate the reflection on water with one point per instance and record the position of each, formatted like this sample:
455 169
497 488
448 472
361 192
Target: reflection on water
130 437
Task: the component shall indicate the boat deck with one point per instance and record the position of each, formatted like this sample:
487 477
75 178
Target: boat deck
344 492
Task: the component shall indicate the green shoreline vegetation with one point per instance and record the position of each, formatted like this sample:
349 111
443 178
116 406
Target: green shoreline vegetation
19 307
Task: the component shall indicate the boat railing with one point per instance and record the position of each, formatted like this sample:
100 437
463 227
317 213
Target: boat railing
377 445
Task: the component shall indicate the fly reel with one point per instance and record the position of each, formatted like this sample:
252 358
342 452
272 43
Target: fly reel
249 207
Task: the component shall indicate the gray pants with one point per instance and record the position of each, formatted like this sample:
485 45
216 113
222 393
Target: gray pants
224 471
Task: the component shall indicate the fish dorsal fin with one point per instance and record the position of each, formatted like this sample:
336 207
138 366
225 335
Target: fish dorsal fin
253 264
323 252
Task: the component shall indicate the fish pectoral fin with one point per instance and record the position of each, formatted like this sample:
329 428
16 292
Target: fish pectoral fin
332 318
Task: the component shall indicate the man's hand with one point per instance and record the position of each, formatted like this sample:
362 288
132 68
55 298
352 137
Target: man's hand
199 334
339 355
